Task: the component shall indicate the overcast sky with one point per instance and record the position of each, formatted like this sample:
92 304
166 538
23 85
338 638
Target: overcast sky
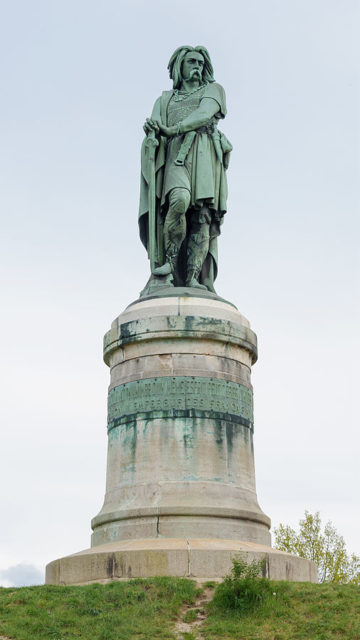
77 80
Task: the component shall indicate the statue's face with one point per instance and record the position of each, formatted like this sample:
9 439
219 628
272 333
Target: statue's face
192 66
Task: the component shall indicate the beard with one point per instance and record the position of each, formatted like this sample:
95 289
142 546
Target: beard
195 74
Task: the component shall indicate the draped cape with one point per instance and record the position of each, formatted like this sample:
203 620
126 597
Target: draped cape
204 172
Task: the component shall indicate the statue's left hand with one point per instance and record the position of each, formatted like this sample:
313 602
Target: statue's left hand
166 131
155 125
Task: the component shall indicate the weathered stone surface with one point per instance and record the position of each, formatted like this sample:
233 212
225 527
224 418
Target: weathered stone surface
180 491
180 423
197 558
180 364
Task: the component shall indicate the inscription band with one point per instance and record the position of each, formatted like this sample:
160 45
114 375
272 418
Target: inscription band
179 393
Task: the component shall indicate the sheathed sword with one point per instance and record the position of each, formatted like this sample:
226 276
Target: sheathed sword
152 143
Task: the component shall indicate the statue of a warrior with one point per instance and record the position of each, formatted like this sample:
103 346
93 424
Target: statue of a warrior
183 175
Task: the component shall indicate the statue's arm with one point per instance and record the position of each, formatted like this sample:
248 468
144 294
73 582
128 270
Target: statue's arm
202 115
206 110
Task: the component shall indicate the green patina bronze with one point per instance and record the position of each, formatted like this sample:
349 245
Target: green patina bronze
183 189
180 394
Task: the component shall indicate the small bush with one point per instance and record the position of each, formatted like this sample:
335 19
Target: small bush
243 588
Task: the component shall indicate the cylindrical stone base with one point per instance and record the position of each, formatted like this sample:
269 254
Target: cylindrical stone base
180 491
180 424
200 559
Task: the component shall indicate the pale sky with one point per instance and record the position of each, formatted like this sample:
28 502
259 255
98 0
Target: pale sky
77 80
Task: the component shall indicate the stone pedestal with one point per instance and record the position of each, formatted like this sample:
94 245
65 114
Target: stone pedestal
180 490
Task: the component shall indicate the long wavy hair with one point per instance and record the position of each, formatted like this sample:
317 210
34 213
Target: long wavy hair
176 61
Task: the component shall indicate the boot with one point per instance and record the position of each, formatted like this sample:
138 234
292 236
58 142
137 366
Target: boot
169 266
192 278
164 270
197 250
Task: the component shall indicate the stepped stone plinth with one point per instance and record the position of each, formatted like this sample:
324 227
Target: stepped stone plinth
180 491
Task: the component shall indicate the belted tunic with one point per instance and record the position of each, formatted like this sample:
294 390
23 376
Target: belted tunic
196 161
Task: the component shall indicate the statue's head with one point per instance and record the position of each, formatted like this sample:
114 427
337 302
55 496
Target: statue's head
176 66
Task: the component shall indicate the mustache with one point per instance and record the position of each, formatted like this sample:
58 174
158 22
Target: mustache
195 72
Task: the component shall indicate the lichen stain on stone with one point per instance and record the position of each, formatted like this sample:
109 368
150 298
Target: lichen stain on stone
199 323
111 566
166 427
121 566
245 434
146 424
157 562
125 331
230 430
130 440
206 321
189 323
189 429
171 322
114 435
218 431
188 440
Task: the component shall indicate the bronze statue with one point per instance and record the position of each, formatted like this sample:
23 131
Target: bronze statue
183 189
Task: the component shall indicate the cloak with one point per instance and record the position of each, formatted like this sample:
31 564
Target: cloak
204 171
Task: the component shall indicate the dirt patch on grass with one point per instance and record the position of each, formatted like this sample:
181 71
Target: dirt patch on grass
191 617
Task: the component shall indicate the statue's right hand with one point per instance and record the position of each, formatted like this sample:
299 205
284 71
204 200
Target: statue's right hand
150 125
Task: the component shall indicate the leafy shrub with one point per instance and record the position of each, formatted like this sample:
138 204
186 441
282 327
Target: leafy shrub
324 547
243 588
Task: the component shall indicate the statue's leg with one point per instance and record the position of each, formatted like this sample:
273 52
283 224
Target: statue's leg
174 229
198 246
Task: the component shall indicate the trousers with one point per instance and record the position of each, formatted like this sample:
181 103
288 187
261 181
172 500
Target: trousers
175 230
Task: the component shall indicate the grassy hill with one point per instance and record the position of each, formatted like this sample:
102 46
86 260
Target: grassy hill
148 609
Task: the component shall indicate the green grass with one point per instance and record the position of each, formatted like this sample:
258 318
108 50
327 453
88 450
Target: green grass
191 615
143 609
147 609
298 611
